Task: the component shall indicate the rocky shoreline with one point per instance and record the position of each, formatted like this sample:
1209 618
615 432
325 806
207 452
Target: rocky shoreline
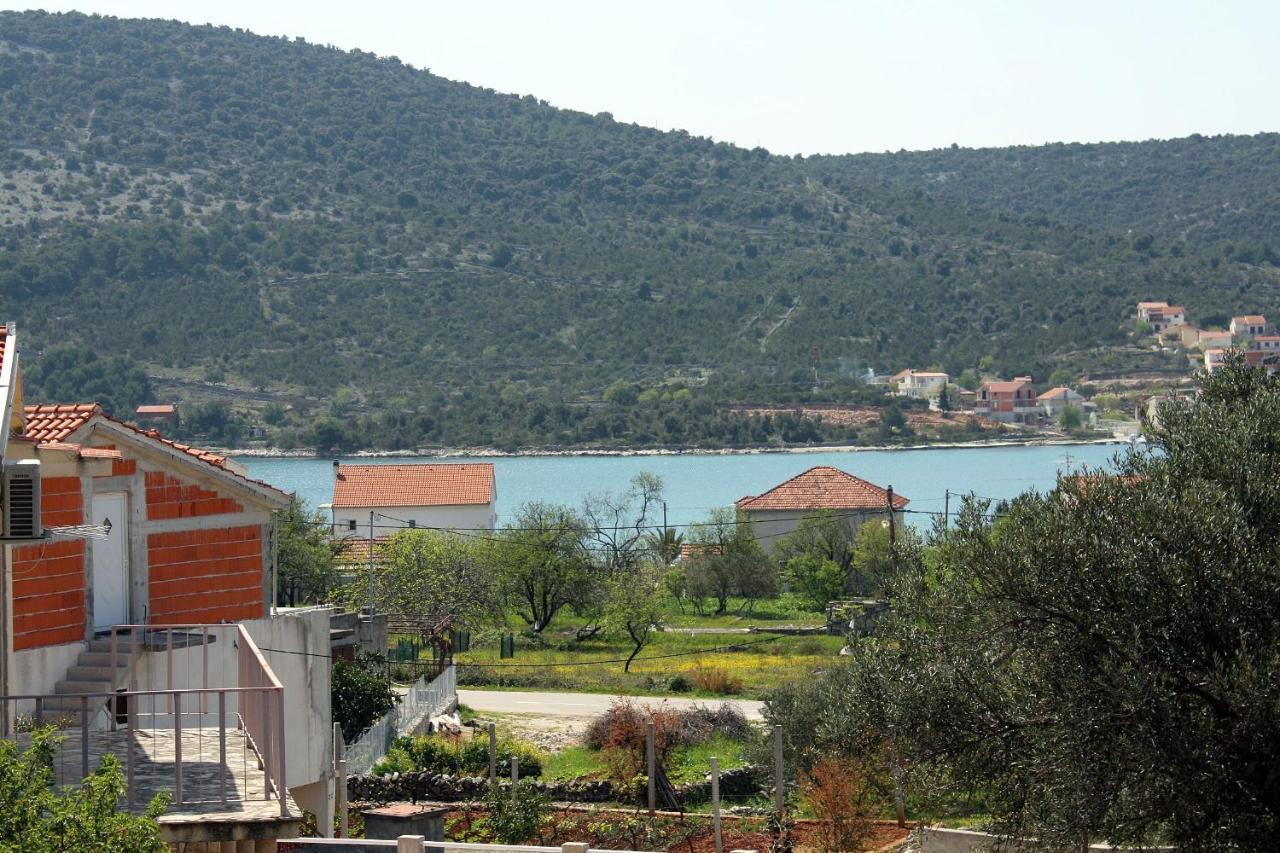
483 452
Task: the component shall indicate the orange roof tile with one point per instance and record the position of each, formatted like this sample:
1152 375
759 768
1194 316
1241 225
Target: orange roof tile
1250 320
53 424
356 551
822 487
1060 391
427 484
1005 387
49 424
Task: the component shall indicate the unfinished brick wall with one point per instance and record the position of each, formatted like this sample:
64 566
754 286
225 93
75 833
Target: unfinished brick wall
48 579
199 576
168 497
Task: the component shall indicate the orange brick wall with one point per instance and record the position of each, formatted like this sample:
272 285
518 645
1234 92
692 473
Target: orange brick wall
48 579
205 575
169 497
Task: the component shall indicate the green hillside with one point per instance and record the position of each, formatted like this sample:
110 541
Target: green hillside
266 220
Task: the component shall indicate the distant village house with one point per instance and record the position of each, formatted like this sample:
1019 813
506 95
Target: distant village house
440 496
1248 325
851 500
919 384
1010 402
163 415
1161 315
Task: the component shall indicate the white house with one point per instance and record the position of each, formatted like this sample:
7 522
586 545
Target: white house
440 496
1161 315
919 384
1265 343
1248 325
822 489
1055 400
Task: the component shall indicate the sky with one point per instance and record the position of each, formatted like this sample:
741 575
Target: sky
818 76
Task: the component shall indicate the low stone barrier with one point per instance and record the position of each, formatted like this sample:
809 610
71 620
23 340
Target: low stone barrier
425 786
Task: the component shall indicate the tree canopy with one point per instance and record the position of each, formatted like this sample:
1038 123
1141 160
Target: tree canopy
1099 662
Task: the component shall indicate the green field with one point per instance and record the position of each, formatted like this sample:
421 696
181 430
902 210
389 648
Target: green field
746 665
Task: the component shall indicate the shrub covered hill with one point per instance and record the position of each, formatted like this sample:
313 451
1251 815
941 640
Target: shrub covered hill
357 252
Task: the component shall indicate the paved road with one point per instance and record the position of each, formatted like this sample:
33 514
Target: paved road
578 704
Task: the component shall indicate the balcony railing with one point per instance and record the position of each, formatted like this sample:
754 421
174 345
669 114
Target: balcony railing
216 743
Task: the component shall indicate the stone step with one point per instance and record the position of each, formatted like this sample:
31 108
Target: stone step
73 686
103 644
96 672
123 659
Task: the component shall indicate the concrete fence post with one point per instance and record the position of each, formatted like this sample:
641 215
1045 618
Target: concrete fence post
779 778
715 804
493 756
344 818
573 847
411 844
651 758
515 776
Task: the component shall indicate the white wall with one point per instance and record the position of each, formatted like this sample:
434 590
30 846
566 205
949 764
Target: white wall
295 644
770 527
36 671
469 517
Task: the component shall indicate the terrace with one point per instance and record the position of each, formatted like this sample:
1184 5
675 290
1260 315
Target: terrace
202 717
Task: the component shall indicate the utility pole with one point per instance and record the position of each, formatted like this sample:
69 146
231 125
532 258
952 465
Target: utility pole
946 510
275 561
372 597
893 533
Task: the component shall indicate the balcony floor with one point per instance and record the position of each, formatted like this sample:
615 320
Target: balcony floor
204 778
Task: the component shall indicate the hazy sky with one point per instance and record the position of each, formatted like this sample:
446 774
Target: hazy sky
817 77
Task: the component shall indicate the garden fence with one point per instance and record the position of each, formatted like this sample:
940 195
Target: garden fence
425 698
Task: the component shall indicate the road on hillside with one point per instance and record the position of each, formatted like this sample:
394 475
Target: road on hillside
580 704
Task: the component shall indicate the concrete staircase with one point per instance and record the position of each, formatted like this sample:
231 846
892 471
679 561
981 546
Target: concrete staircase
92 673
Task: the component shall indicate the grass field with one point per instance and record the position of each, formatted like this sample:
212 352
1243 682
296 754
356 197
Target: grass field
746 665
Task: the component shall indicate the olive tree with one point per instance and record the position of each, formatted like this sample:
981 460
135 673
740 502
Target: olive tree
1099 662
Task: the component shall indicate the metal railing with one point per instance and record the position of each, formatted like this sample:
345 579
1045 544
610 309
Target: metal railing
155 728
425 697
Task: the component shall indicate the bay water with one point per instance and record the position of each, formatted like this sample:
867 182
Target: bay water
696 483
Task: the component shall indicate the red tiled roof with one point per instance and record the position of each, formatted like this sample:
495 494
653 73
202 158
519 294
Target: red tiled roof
1250 319
160 409
356 551
1011 385
53 424
428 484
1060 391
822 487
689 550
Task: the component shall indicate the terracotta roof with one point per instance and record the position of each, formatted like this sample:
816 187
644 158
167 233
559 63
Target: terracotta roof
355 551
689 550
822 487
53 424
4 337
1011 385
1250 319
82 451
1153 304
1060 391
428 484
159 409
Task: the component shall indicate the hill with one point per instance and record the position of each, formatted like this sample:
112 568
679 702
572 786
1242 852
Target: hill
363 253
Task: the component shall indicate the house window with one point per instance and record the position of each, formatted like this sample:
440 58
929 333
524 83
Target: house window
351 524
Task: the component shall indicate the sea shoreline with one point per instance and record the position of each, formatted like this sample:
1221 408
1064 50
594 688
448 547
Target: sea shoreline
489 452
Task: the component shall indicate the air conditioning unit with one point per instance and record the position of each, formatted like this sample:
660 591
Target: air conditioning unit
21 500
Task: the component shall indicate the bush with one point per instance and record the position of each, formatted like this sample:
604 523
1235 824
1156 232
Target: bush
514 820
700 723
836 791
440 754
679 684
713 679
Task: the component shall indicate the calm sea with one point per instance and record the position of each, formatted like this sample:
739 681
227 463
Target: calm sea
696 484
